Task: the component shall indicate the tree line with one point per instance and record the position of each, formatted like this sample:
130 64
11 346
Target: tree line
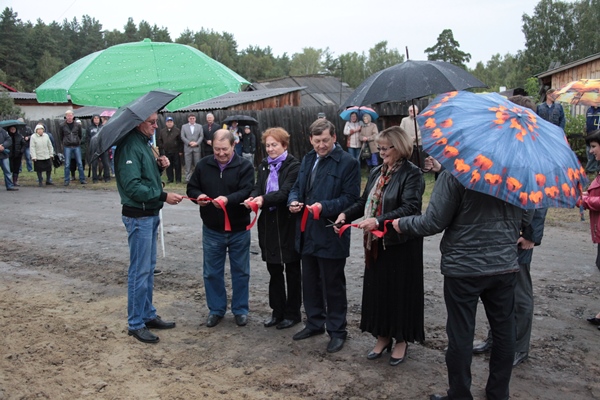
562 31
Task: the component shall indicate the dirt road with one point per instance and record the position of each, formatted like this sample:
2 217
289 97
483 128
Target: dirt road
63 261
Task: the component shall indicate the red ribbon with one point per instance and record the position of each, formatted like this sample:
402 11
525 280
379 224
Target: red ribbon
375 232
254 208
220 203
316 213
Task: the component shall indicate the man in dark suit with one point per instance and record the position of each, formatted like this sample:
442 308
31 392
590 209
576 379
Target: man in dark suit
208 130
328 183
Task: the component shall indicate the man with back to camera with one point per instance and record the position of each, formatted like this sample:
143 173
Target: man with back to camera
328 183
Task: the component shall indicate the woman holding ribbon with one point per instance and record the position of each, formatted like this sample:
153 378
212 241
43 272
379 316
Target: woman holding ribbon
277 228
392 302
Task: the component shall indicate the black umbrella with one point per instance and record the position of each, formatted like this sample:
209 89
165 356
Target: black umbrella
11 122
241 119
128 117
411 80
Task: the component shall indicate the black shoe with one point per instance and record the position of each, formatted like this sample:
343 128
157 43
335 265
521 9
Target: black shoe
40 184
306 333
94 181
157 272
373 355
143 335
12 189
83 182
49 183
158 323
519 358
438 397
335 344
271 322
484 346
66 183
213 320
396 361
169 181
241 319
287 323
594 321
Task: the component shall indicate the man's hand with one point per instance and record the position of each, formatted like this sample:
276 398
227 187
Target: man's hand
295 207
318 205
258 200
220 198
525 244
174 198
202 202
396 225
163 161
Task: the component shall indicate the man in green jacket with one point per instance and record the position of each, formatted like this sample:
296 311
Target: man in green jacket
137 171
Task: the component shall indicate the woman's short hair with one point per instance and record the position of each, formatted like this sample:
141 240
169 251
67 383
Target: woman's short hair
594 136
277 133
368 117
398 138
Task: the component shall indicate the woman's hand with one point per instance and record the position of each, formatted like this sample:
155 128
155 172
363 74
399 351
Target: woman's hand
369 224
341 220
396 225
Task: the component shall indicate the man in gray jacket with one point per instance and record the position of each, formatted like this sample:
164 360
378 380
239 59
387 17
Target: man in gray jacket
191 135
479 260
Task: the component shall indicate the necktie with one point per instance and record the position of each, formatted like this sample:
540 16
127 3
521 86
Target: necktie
313 173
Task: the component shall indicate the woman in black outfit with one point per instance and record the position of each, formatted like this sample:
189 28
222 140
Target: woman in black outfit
392 302
277 228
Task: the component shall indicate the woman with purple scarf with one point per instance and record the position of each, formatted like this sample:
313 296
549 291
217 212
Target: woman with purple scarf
277 228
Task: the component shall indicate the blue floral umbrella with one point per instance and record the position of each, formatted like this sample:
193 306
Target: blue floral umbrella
360 111
496 147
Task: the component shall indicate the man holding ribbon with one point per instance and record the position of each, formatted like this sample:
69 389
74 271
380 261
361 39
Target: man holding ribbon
328 183
219 184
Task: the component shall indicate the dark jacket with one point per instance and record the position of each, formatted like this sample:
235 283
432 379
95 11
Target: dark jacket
70 137
26 132
138 174
208 135
336 187
235 182
480 231
402 196
248 143
18 145
534 233
169 141
592 119
6 142
277 227
91 131
554 113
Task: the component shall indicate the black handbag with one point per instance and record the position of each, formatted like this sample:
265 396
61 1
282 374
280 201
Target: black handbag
58 160
365 151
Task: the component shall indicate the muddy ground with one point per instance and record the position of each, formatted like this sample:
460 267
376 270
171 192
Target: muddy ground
63 331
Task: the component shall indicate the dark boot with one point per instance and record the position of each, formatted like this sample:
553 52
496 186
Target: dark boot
16 179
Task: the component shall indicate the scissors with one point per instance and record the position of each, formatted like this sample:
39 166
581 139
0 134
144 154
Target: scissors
333 224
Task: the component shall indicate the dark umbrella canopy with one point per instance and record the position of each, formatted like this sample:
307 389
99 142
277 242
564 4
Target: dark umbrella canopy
11 122
128 117
412 80
241 119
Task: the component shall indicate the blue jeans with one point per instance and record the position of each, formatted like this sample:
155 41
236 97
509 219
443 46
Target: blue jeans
354 152
216 245
5 165
28 159
77 152
141 236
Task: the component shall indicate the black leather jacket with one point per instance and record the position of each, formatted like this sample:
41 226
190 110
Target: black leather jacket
402 196
70 138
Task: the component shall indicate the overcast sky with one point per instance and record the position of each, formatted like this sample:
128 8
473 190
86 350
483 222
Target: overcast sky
482 27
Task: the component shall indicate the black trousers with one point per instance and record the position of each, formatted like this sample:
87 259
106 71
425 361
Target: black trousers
324 289
105 160
175 165
285 306
461 296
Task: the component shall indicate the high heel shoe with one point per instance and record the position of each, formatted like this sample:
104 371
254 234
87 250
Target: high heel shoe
373 355
396 361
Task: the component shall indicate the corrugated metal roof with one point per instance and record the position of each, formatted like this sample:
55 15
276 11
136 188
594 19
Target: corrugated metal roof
22 95
233 99
89 111
319 90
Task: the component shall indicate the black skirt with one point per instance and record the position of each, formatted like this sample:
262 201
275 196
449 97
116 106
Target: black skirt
392 302
42 165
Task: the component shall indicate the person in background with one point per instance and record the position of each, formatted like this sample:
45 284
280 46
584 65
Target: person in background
551 111
16 153
592 123
170 145
248 144
277 228
5 144
321 115
92 131
237 134
26 132
352 133
408 124
208 130
142 197
327 184
368 131
191 135
71 135
42 152
590 200
85 157
393 297
219 184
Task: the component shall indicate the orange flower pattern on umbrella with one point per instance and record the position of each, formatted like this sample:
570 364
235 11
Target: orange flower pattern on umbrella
522 159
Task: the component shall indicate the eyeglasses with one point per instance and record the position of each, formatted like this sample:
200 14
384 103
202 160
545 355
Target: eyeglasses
152 122
384 149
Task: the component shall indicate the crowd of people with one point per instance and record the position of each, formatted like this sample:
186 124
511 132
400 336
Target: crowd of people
306 209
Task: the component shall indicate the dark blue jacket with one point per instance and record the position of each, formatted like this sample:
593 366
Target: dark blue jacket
592 119
554 114
534 233
336 187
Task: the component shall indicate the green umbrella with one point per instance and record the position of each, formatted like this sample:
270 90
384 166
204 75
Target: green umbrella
122 73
